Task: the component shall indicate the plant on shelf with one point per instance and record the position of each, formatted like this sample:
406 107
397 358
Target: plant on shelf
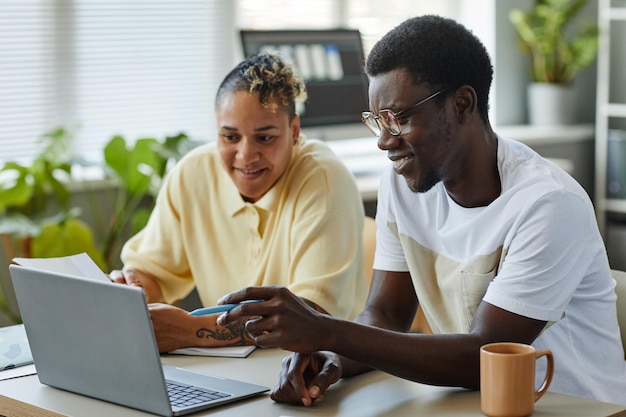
556 55
37 218
557 52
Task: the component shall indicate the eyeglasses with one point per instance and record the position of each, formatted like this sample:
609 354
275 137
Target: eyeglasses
390 120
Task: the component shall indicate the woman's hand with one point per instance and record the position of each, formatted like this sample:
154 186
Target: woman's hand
135 277
174 328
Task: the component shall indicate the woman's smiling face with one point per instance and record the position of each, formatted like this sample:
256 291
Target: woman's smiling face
255 144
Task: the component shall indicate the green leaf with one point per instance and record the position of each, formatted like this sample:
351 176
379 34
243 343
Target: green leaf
144 163
116 155
134 167
68 238
58 188
543 33
140 219
17 196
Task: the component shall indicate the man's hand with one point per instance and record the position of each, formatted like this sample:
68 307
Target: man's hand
305 377
284 320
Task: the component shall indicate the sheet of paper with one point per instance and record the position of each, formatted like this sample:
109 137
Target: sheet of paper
14 347
81 265
226 351
18 372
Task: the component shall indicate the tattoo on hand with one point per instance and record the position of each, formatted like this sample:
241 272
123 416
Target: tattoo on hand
229 332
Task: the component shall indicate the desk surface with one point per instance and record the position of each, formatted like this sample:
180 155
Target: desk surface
371 394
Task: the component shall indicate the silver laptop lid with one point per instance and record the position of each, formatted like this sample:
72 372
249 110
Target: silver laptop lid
93 338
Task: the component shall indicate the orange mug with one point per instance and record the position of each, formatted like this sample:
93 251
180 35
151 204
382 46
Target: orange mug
507 379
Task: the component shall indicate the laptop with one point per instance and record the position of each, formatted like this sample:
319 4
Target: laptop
95 338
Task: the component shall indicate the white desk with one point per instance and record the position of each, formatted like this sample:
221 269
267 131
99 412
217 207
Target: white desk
372 394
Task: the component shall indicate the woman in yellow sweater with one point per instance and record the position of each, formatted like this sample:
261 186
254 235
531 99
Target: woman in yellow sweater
259 206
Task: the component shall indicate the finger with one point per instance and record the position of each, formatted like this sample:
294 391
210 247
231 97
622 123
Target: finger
254 293
117 276
248 293
283 392
256 309
265 334
292 386
132 277
296 373
328 375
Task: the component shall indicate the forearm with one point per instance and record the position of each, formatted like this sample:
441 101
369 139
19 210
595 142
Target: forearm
383 319
451 360
175 328
209 333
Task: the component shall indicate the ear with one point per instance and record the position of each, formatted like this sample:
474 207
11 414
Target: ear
295 128
465 103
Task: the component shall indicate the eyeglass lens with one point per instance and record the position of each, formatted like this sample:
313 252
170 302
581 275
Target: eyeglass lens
388 119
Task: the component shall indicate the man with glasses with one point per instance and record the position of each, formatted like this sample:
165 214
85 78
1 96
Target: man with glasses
494 242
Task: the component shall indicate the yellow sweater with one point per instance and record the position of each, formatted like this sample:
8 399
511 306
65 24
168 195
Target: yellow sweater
304 233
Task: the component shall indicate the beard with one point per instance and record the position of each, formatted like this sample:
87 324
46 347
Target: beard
429 181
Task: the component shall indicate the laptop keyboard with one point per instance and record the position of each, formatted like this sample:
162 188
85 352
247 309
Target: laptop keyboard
186 395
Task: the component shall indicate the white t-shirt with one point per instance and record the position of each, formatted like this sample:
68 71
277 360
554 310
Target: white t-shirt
535 251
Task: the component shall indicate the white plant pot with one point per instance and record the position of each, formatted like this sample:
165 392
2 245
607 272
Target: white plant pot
550 104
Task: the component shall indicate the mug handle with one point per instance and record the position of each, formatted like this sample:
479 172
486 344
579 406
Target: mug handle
549 372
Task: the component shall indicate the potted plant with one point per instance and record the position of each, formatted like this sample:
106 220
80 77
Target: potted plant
557 52
27 218
37 215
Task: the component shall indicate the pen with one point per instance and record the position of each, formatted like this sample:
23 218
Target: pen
219 309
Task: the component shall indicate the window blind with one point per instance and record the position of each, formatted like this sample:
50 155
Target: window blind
144 68
27 81
373 18
137 68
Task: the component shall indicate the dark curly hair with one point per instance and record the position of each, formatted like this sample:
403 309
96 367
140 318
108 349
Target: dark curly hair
435 51
269 76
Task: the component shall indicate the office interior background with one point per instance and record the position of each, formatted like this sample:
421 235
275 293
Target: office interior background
150 68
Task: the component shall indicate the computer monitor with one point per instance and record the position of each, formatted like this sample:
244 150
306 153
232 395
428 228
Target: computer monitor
331 63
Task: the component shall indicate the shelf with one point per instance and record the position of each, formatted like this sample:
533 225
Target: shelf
607 16
617 13
547 135
615 205
616 110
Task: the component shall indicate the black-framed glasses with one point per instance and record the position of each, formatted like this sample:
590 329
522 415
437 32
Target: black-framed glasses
390 120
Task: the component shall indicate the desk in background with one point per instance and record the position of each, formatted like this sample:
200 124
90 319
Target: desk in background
368 395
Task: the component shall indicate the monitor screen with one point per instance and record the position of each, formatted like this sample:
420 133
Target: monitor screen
331 63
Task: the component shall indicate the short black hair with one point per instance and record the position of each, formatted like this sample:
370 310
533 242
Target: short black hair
437 51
